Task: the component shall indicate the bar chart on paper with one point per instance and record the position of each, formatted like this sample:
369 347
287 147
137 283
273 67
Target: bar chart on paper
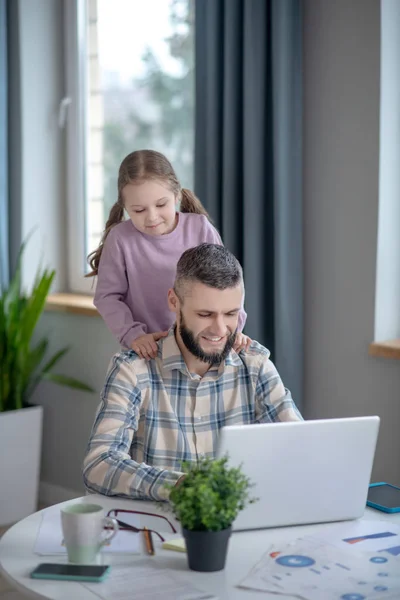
363 536
371 536
393 550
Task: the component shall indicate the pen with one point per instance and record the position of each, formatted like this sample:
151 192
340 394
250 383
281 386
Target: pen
149 541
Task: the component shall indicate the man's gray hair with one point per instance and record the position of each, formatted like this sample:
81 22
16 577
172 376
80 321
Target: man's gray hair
210 264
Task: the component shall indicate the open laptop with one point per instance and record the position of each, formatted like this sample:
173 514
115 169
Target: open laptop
304 472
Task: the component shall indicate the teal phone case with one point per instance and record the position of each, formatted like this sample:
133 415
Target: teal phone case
386 509
59 577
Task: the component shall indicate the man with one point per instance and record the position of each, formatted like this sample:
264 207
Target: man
155 414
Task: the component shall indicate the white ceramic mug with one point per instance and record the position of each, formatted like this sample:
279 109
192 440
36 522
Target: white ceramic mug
83 531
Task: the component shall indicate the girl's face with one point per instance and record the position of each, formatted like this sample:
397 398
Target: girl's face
151 207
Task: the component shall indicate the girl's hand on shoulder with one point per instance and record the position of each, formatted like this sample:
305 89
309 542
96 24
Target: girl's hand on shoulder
145 346
242 342
159 334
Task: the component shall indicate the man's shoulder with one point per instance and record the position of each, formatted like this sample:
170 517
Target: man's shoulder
128 359
256 361
256 351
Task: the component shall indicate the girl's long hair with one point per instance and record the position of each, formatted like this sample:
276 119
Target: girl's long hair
136 168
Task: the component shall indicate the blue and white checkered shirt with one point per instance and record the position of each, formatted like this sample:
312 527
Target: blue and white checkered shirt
155 414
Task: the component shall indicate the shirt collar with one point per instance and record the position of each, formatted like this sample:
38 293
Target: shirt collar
172 356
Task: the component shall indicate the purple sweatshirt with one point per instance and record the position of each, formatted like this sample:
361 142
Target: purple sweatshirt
136 271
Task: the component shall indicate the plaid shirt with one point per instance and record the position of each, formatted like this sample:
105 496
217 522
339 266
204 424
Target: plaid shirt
155 414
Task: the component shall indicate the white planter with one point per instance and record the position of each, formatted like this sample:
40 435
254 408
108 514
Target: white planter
20 454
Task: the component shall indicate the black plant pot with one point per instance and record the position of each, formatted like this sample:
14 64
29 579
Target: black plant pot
206 550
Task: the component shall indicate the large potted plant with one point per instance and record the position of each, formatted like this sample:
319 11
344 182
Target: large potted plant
206 502
24 363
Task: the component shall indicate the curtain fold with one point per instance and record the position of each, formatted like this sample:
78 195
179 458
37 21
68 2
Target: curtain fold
288 183
248 159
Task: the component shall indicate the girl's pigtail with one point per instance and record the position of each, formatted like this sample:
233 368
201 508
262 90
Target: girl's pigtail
116 216
191 204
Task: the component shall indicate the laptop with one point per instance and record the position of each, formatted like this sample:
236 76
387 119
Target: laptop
304 471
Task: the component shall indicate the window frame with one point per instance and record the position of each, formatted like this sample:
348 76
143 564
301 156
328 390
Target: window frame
75 17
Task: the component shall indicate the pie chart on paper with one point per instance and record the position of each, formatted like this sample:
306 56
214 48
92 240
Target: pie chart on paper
295 560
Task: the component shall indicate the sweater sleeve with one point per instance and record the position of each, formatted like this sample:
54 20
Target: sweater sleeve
211 236
111 290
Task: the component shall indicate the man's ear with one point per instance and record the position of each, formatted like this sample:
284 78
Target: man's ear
173 301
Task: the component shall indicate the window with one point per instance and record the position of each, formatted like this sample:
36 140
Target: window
130 85
387 292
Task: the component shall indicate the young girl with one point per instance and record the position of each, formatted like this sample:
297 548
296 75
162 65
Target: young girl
136 260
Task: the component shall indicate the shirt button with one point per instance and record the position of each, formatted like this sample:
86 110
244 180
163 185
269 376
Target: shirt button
197 419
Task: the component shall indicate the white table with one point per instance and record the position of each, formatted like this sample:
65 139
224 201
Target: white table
17 558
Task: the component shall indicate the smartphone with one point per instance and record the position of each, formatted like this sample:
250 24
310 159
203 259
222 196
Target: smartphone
70 572
384 496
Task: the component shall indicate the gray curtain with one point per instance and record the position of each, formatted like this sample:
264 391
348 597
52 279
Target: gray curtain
4 255
248 159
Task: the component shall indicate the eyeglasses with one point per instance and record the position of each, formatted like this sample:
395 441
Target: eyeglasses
114 512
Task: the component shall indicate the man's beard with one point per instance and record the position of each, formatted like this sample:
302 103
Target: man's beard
191 343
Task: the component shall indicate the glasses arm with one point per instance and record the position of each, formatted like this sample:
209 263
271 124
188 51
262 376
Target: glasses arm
115 512
126 526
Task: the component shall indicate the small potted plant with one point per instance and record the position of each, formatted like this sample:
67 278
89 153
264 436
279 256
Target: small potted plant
206 503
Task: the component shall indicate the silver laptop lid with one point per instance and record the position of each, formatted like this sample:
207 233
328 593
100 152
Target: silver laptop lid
304 472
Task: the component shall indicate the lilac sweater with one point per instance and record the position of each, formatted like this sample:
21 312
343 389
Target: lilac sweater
136 271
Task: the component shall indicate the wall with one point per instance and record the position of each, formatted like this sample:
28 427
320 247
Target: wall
69 414
341 182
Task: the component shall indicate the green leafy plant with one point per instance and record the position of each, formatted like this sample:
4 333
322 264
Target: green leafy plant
22 362
211 495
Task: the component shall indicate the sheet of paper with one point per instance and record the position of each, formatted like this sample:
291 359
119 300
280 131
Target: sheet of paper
254 580
362 536
50 539
312 570
142 581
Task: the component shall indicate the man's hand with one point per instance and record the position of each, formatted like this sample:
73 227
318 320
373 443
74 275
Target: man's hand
145 345
242 342
180 480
